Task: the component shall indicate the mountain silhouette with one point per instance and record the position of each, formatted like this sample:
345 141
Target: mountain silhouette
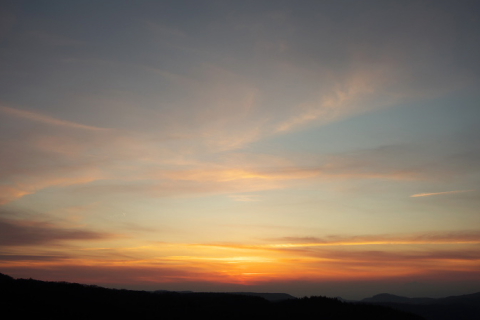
386 297
463 307
266 295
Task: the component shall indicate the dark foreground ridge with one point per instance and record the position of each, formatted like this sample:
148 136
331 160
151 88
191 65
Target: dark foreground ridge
464 307
34 299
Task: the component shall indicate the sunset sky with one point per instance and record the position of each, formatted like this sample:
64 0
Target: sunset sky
308 147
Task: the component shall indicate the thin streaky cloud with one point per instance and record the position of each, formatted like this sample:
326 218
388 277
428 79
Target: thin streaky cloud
33 116
438 193
31 233
436 238
349 97
458 237
342 243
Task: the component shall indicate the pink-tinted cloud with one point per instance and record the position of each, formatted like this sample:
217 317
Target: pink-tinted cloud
37 117
438 193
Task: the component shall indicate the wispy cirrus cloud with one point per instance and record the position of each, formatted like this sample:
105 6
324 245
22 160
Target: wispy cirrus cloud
349 97
11 193
438 193
38 117
21 187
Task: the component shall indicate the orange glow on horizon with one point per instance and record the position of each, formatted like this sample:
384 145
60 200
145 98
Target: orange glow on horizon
255 265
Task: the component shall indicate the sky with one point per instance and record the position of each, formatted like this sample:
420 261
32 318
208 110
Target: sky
309 147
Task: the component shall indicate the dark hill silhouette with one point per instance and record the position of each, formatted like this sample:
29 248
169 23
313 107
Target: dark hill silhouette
266 295
464 307
5 278
466 299
34 299
386 297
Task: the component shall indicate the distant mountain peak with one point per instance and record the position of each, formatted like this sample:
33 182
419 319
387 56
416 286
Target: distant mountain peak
268 296
387 297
